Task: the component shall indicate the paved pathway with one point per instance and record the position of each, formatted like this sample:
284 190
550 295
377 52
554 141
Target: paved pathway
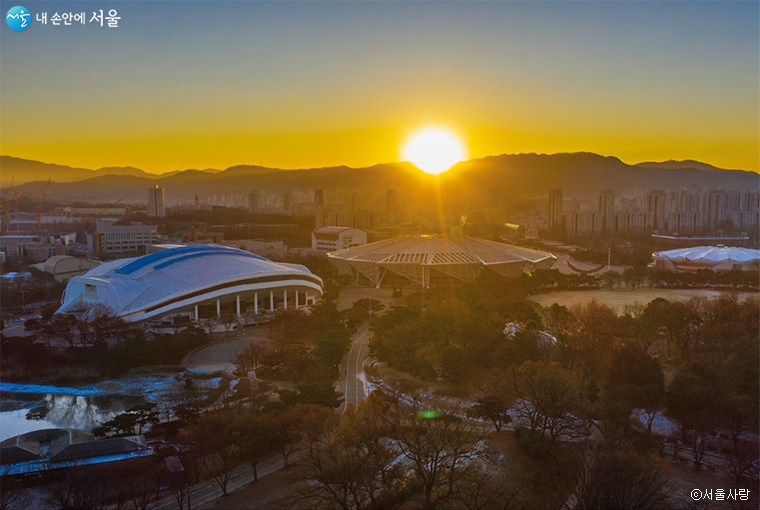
221 355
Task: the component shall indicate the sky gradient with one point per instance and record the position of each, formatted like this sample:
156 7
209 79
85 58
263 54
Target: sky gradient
304 84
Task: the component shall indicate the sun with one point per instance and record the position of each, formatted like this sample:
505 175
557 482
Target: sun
433 150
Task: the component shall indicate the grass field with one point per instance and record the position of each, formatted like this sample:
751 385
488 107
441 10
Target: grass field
349 295
618 298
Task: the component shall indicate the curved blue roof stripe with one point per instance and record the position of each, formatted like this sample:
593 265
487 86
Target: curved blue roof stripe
201 254
152 258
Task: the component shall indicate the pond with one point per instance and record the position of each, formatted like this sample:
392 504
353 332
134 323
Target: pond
29 407
25 412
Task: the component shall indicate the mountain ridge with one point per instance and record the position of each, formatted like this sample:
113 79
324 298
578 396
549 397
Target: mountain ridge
499 177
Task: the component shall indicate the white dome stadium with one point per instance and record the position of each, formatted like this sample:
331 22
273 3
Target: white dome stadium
182 279
716 258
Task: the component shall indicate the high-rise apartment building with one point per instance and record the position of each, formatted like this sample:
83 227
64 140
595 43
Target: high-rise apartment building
607 211
555 212
156 207
655 205
363 219
391 207
580 223
319 208
253 201
287 201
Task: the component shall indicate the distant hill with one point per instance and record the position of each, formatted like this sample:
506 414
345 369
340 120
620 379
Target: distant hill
493 178
673 164
25 170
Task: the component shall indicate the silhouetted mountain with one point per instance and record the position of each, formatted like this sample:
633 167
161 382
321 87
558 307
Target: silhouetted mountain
673 164
25 170
493 178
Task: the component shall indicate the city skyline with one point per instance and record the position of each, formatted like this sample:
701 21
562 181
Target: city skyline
275 84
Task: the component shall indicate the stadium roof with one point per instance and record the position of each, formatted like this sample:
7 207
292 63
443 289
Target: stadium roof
177 279
718 253
413 257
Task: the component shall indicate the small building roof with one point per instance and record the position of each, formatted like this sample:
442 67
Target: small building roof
96 449
333 230
719 253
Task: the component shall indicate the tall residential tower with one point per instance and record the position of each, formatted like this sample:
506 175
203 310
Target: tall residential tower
156 207
319 208
555 212
391 207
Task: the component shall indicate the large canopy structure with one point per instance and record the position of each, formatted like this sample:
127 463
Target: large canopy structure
716 258
417 257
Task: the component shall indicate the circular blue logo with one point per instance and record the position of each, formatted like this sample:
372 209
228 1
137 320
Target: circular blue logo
18 18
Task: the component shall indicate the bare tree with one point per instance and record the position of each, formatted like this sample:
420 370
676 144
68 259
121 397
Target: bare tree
438 442
251 356
286 436
495 400
548 398
253 434
613 479
80 489
64 326
351 465
142 481
180 486
220 451
742 462
13 496
489 484
210 323
229 322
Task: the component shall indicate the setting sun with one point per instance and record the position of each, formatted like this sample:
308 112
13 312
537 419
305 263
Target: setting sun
433 150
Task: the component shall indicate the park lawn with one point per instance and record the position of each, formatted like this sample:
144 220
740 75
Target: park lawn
618 298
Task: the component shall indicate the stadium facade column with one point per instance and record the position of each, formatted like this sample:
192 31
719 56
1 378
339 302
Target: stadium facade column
218 308
256 303
196 313
238 304
296 298
271 301
285 299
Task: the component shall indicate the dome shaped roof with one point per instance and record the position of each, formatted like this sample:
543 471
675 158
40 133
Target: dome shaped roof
136 286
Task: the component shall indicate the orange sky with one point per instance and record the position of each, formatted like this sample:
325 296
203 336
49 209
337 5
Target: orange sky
294 85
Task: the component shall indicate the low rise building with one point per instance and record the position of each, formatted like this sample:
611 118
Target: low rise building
272 250
66 267
115 240
328 239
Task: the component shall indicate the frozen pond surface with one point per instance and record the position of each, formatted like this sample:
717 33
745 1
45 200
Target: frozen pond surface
28 407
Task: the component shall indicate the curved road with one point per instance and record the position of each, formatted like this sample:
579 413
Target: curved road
352 382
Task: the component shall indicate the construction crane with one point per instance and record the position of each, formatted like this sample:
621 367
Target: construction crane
15 206
88 222
39 205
